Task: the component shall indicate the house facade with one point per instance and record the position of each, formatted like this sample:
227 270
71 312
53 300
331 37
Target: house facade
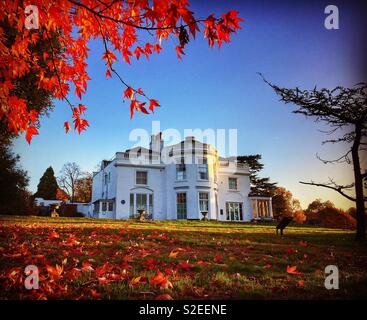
187 180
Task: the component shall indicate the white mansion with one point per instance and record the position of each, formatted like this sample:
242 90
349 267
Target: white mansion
179 181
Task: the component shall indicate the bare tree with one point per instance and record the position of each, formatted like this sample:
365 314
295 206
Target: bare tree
68 179
345 111
83 188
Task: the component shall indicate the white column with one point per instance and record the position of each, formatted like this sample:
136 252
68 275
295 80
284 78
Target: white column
271 207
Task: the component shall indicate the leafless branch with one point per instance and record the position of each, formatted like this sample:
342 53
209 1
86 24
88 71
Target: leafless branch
334 187
342 159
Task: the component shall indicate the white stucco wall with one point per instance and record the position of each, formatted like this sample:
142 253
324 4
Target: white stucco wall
241 195
126 184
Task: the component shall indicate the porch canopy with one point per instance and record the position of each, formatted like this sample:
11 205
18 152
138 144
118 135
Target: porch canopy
261 208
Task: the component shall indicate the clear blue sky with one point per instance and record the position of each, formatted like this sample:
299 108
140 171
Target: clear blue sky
213 88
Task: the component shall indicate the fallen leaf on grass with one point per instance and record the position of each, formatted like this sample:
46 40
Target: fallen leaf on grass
218 258
134 281
161 281
173 254
293 270
54 272
185 265
300 283
303 243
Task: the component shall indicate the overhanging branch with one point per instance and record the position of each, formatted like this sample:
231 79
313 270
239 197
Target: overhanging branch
334 187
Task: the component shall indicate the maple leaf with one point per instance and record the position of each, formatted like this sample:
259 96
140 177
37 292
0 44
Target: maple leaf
293 270
150 263
179 52
129 93
87 266
185 265
109 57
66 126
30 132
152 104
173 254
134 281
55 272
95 294
157 48
300 283
53 235
218 258
202 263
142 108
138 51
161 281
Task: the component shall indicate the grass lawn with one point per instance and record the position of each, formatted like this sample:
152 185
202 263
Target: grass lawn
80 258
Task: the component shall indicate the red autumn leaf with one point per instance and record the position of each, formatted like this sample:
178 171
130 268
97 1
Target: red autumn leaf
108 73
161 281
300 283
109 57
95 294
179 52
185 265
66 126
303 243
129 93
31 131
157 48
291 251
134 281
202 263
141 107
87 266
54 272
293 270
138 50
133 106
152 104
218 259
53 235
173 254
150 263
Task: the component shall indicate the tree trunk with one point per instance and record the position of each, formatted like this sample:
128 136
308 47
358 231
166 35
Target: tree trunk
360 212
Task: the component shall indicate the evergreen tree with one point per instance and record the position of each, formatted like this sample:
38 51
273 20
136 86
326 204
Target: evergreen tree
259 186
47 187
13 182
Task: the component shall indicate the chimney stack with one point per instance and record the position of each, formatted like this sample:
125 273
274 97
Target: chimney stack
156 143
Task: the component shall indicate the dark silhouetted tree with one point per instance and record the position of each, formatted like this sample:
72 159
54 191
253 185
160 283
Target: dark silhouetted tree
345 111
47 187
259 186
13 182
